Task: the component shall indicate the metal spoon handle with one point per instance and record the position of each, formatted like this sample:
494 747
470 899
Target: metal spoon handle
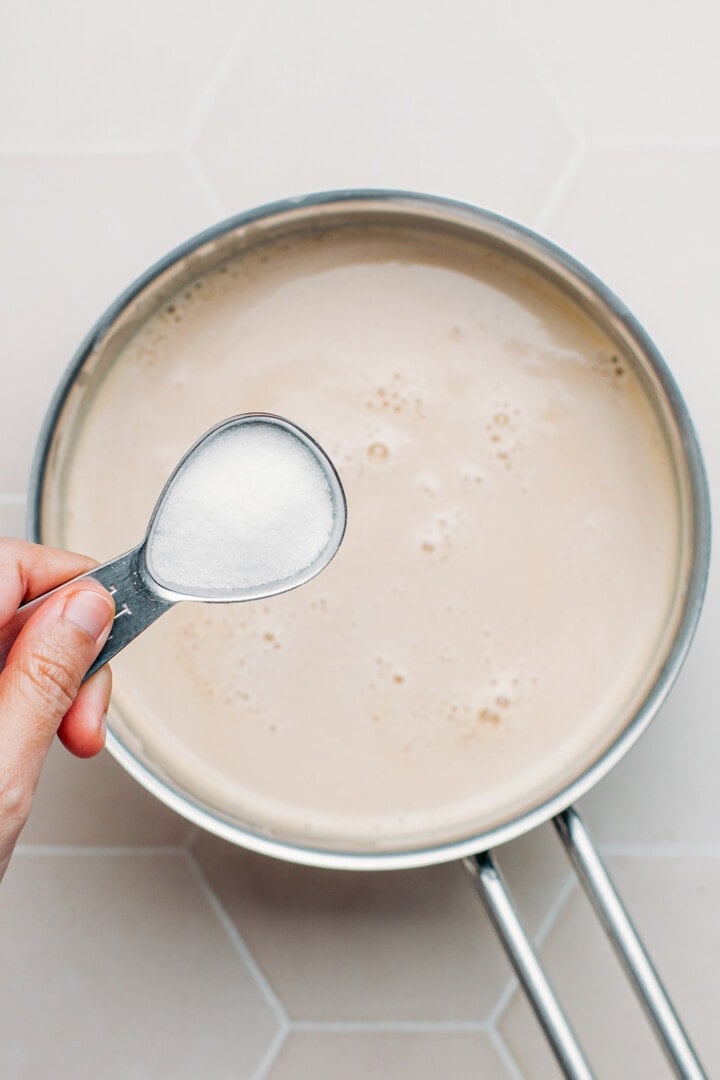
136 606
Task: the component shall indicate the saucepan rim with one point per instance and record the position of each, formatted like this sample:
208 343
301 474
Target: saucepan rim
535 246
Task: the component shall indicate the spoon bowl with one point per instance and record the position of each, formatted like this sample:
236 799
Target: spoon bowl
254 508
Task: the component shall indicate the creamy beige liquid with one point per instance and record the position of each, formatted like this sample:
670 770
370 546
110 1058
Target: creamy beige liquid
510 562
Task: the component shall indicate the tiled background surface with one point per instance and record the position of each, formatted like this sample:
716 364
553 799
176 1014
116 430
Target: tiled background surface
131 947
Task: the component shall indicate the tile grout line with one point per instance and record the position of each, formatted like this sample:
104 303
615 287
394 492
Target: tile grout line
238 942
272 1053
202 108
209 95
547 80
449 1027
506 995
569 171
561 186
201 178
538 939
505 1054
421 1027
555 909
283 1026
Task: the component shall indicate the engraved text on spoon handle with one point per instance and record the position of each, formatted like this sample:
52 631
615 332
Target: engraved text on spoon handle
136 606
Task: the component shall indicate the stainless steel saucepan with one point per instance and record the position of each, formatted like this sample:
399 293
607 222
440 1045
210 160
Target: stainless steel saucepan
318 212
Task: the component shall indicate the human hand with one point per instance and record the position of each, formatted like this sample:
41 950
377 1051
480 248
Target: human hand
41 688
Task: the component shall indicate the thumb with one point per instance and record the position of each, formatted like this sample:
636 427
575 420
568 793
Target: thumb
44 672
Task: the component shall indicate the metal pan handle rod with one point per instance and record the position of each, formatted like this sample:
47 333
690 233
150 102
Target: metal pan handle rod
619 928
500 907
627 944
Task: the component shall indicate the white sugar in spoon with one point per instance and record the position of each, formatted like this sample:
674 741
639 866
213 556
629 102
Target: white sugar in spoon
254 508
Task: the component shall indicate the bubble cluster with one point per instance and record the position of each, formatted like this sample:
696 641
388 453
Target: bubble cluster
504 433
398 394
271 639
502 691
435 538
489 709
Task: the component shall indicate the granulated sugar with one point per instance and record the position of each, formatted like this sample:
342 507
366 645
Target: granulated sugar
250 508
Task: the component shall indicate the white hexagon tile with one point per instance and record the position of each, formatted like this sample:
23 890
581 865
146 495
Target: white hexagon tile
134 946
87 74
78 228
328 96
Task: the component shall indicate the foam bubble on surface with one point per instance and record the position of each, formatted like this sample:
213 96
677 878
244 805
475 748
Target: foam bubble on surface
250 508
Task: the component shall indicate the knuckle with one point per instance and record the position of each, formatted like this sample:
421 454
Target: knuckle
50 679
15 803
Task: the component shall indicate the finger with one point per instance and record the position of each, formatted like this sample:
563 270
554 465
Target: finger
43 674
28 570
82 729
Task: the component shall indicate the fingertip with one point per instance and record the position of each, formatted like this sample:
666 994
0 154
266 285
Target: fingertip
82 730
81 742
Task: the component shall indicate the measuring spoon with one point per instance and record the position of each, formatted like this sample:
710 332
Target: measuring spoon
272 525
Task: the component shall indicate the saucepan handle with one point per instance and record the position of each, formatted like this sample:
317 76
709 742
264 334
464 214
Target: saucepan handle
499 905
623 935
